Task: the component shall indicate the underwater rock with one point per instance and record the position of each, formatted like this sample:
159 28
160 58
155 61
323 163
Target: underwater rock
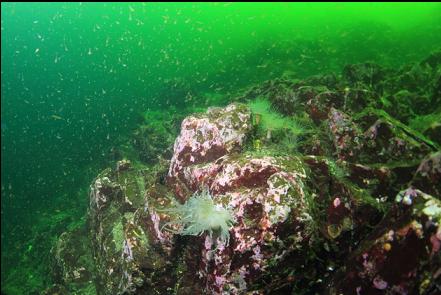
368 74
436 95
57 289
283 97
401 255
415 78
123 165
388 140
375 179
401 105
433 132
72 264
173 91
127 246
319 106
433 60
155 135
205 138
342 206
387 143
267 201
358 98
329 80
305 221
264 194
294 97
428 175
346 136
414 90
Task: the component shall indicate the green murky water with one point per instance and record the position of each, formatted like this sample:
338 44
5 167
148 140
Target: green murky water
76 77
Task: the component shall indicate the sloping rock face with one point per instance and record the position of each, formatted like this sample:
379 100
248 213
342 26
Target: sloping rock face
265 195
206 138
128 247
355 210
267 198
72 263
369 146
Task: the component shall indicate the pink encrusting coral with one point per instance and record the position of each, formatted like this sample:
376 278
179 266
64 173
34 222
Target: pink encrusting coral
273 197
205 138
260 192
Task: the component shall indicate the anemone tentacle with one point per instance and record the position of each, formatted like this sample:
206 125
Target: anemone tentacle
200 214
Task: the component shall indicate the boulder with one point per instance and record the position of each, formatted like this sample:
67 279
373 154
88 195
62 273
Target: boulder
205 138
129 250
401 255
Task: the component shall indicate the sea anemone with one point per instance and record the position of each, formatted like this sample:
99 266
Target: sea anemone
200 214
270 120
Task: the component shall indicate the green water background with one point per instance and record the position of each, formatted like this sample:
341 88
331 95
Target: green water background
75 78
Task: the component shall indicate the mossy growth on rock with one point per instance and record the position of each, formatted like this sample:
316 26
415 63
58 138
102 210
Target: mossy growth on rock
269 121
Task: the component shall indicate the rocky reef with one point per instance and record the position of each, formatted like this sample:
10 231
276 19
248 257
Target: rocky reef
340 194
